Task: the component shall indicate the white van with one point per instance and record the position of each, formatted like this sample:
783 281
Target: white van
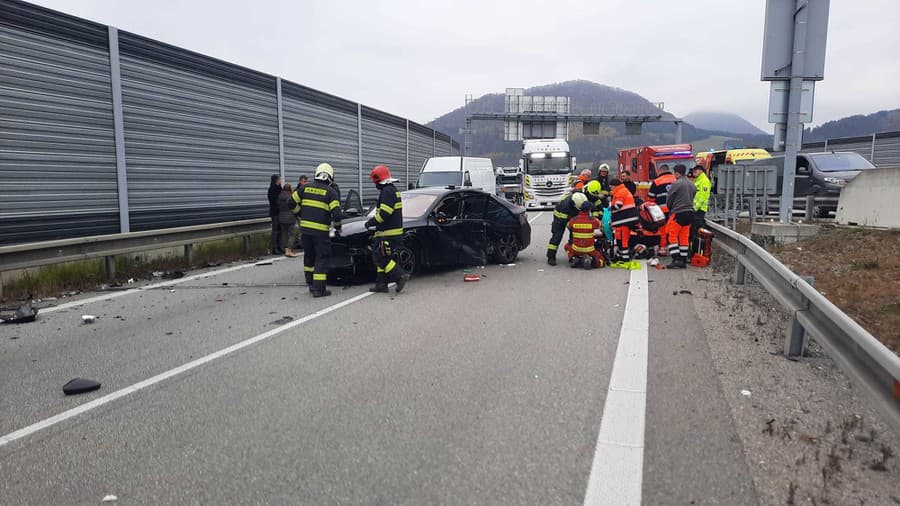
459 171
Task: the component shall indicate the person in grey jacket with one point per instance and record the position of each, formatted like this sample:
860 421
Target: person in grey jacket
681 215
286 219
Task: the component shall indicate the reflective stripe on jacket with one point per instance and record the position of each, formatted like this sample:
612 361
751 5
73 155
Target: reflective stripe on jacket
622 207
659 190
583 227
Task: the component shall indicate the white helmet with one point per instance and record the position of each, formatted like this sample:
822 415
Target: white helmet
578 199
325 172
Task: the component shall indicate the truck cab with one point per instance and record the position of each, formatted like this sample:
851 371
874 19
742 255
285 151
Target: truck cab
547 165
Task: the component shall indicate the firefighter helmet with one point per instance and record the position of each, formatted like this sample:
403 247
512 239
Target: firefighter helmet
381 174
594 188
325 172
579 199
603 167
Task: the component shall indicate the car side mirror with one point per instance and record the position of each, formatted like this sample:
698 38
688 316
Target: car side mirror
440 218
468 179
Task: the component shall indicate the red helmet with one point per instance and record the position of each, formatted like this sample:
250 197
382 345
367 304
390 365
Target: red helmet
381 174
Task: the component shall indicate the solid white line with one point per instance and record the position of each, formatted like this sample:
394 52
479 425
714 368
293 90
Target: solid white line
114 295
538 215
106 399
618 468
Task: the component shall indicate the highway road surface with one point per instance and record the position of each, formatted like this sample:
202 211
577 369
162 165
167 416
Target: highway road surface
535 385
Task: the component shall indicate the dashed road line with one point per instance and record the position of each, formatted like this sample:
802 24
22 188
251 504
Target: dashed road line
617 471
538 215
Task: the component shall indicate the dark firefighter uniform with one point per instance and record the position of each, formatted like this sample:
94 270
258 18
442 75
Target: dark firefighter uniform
318 209
388 223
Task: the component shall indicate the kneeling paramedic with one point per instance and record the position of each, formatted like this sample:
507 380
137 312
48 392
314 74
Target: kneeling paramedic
318 209
584 227
388 224
681 216
566 210
624 218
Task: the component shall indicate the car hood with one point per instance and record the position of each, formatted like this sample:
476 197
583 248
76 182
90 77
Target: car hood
354 227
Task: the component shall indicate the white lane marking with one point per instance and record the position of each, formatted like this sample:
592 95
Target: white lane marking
538 215
118 394
114 295
618 469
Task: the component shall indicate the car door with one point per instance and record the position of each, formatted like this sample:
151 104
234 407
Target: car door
445 232
803 180
473 243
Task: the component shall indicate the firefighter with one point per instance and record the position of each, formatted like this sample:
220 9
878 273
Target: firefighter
582 179
624 218
319 209
388 224
603 177
681 215
568 208
581 250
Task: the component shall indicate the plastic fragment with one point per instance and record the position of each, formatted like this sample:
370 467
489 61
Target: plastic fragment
110 498
25 314
88 318
80 386
745 393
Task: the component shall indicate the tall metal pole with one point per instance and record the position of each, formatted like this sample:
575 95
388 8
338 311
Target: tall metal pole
407 153
794 127
359 154
678 132
115 74
280 126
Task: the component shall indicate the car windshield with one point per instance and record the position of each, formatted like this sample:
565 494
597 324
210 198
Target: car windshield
440 179
840 162
415 205
542 166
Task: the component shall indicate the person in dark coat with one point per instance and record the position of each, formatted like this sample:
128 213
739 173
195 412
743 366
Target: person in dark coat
274 191
626 180
286 219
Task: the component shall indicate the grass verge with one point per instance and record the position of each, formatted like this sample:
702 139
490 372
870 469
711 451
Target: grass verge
54 280
858 270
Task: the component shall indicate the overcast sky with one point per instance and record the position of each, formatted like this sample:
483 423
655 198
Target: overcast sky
419 58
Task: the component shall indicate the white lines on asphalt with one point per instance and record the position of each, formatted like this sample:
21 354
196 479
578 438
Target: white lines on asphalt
118 394
536 216
618 468
114 295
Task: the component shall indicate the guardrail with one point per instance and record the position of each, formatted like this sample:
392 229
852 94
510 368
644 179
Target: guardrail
869 364
758 208
36 254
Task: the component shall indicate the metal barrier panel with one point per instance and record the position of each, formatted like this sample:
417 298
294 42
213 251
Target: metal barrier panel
319 128
887 149
420 149
58 164
384 143
201 136
454 149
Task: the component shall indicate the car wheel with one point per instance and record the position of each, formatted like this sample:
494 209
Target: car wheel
407 259
506 249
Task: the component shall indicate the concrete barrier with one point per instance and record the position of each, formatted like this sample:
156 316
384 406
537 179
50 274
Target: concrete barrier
871 199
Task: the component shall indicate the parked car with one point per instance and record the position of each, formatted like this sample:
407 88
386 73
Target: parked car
442 227
458 171
820 174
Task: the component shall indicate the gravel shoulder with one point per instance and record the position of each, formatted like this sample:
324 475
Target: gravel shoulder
809 436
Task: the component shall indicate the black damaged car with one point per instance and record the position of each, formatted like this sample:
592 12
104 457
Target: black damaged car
441 227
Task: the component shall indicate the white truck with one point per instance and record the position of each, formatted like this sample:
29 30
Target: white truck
548 166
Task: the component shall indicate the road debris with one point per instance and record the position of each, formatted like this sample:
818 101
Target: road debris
507 265
468 278
282 320
88 318
263 262
684 292
110 498
745 393
130 281
653 262
80 386
25 314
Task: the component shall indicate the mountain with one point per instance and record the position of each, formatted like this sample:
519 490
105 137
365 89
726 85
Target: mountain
855 126
722 122
586 96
